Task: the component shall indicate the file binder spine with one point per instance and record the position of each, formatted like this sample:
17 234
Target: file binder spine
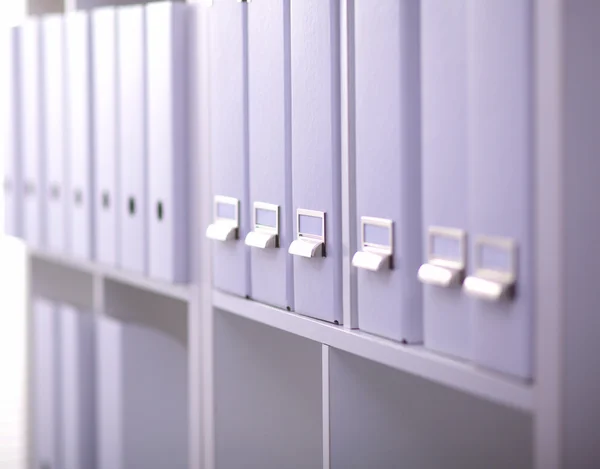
32 134
388 168
132 210
269 149
77 388
500 148
446 315
55 102
228 62
168 158
316 152
11 121
106 134
80 194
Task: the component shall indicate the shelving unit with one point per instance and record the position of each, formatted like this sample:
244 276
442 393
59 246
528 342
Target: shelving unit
268 388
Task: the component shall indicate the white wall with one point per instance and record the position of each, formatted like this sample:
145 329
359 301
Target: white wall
13 324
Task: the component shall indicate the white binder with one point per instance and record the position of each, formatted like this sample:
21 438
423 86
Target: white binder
132 209
9 132
229 146
77 386
444 164
79 136
167 144
105 136
270 162
500 145
34 188
316 170
54 108
109 377
46 384
388 183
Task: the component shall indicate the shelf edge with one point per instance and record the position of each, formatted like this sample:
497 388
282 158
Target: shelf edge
415 360
177 292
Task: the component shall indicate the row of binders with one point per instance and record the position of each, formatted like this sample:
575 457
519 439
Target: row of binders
430 101
438 99
63 385
106 394
96 156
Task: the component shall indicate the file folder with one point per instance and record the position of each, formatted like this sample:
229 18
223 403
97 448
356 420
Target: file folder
46 382
270 160
53 50
132 208
79 135
9 120
105 118
31 134
167 144
447 321
500 150
77 387
228 63
388 190
316 168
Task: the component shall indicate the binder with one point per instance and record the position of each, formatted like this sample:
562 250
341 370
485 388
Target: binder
388 168
109 377
270 162
9 120
447 322
76 357
500 155
316 170
228 35
46 391
138 366
53 50
167 144
105 135
31 134
132 148
79 135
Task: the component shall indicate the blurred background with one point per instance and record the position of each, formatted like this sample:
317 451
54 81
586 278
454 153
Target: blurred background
13 326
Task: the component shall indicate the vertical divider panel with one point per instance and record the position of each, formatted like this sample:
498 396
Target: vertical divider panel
326 394
200 304
202 313
348 148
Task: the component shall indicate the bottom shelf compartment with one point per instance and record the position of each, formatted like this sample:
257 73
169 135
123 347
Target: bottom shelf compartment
385 419
268 397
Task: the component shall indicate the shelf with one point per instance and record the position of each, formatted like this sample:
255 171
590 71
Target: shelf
178 292
415 360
